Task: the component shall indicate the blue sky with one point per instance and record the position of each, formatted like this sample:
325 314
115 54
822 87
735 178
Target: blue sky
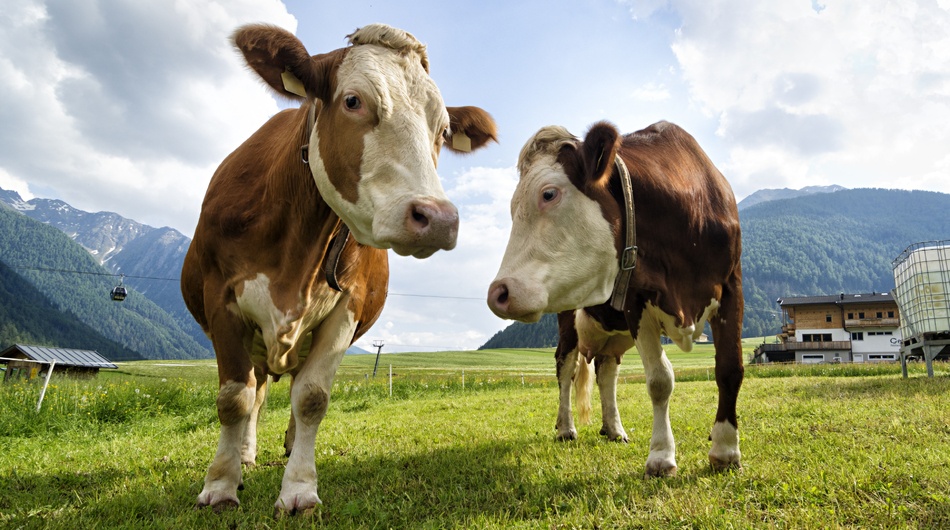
129 106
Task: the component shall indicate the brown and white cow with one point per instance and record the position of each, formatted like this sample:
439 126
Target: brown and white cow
259 271
568 240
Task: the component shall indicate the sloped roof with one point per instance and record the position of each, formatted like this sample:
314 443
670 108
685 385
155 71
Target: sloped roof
63 356
839 299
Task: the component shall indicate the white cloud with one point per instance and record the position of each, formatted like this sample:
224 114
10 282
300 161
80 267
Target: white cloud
124 106
651 93
853 93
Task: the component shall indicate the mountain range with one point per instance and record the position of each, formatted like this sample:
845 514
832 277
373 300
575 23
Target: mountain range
59 263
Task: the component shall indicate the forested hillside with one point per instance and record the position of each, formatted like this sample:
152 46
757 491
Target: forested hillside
153 261
541 334
150 258
818 244
28 317
78 286
831 243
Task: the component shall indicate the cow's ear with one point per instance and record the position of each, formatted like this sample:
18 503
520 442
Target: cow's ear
470 128
282 61
600 147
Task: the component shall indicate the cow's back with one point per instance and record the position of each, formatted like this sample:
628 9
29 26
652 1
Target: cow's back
688 231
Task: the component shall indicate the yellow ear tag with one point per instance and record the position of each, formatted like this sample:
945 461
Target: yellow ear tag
292 84
461 142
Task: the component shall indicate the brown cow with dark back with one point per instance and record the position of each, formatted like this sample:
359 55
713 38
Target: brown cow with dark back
571 249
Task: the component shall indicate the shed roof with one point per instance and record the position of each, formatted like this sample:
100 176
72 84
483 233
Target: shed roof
63 356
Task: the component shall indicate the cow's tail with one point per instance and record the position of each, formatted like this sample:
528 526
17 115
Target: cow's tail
583 387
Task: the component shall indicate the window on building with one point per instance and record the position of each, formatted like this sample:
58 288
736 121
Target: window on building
861 315
880 314
890 314
828 317
850 316
826 337
857 335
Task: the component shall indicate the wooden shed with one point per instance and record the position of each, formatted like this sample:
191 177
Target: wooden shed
82 363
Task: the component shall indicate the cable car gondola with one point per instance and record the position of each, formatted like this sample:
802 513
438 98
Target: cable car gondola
118 292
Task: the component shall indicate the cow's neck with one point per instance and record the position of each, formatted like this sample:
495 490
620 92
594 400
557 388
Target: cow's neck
628 239
305 223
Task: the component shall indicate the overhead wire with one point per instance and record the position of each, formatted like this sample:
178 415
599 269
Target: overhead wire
414 295
133 276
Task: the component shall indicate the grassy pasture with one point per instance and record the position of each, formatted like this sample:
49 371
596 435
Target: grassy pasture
829 446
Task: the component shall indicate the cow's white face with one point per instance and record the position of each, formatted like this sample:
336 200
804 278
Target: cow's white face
378 140
561 253
380 124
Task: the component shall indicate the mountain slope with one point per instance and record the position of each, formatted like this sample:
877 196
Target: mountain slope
831 243
767 195
150 258
28 317
541 334
78 286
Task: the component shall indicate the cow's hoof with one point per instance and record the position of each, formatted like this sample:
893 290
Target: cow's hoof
224 506
614 436
566 436
720 464
217 500
280 512
660 469
220 505
295 503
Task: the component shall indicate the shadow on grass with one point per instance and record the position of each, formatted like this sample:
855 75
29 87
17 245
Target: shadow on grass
506 482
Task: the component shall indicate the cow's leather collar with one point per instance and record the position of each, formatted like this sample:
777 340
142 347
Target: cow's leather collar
333 256
343 235
628 256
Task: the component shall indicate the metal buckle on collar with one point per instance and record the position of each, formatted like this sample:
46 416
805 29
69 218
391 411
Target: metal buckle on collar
628 259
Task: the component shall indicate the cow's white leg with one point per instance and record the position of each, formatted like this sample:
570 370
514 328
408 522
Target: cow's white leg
565 419
659 378
235 401
607 373
724 453
310 398
249 447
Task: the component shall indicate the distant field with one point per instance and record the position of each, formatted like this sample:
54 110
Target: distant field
532 363
824 446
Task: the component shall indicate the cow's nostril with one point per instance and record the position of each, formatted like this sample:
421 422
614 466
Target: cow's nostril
420 218
498 296
502 295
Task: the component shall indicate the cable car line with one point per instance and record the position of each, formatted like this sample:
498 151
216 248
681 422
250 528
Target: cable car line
90 273
121 275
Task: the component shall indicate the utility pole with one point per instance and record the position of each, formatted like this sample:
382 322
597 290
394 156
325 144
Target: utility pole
378 344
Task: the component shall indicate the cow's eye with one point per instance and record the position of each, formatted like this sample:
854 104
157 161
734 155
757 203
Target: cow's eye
352 102
549 194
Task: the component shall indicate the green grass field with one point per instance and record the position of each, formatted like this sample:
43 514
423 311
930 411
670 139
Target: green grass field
830 446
